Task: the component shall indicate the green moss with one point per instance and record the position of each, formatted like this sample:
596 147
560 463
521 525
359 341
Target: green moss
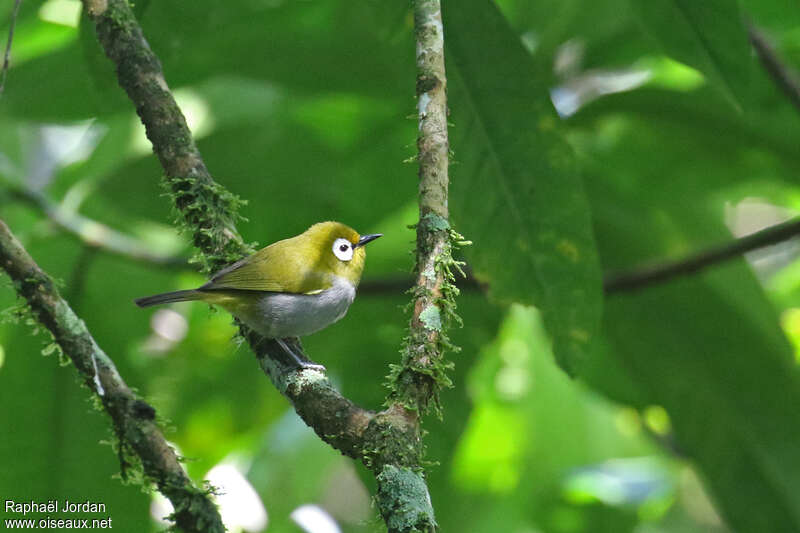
208 212
417 381
391 438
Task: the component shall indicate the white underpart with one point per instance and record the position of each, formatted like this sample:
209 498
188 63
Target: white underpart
296 315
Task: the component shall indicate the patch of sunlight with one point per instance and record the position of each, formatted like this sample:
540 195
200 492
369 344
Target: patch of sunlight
489 454
40 39
314 519
239 504
66 145
657 420
512 383
2 356
790 322
64 12
621 482
670 74
198 117
696 500
576 92
628 422
196 110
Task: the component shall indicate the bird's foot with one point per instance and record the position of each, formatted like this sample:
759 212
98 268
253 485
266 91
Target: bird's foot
301 362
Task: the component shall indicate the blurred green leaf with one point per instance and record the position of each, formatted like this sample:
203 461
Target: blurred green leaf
730 388
515 190
708 35
708 349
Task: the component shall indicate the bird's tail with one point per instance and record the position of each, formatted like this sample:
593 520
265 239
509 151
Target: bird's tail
167 297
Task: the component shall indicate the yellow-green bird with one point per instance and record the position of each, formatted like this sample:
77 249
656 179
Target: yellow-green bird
291 288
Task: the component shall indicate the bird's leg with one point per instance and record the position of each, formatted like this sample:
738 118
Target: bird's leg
301 362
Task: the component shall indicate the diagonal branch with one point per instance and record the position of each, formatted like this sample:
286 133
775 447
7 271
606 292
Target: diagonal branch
94 234
636 279
386 442
7 53
784 78
134 419
643 276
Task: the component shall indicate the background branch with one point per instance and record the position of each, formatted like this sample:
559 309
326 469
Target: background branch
7 53
636 279
95 234
133 419
640 277
783 77
386 442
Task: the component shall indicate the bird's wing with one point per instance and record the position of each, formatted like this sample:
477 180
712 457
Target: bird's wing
280 267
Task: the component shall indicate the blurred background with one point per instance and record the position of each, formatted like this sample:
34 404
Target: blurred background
683 418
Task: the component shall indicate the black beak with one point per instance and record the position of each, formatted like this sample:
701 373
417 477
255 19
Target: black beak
367 238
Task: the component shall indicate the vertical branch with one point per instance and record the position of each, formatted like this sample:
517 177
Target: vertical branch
416 383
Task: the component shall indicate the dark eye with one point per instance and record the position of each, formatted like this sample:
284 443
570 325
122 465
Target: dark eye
343 248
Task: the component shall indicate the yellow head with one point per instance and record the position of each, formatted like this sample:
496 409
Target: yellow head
337 249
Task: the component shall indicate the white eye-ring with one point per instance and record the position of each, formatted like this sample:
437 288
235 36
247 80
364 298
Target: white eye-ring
343 249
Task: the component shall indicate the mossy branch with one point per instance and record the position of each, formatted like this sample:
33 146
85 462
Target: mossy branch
205 209
133 419
387 442
417 381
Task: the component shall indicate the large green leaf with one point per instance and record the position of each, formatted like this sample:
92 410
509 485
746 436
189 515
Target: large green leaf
708 349
516 191
728 384
708 35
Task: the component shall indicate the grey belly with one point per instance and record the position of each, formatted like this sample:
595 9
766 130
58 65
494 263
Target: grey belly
297 315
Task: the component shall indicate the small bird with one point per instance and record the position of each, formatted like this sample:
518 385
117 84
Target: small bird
291 288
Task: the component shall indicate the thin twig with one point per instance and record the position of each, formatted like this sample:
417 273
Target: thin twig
95 234
642 277
784 78
134 419
7 55
639 278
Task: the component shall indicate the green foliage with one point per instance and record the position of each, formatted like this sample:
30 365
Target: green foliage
517 191
683 418
708 35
